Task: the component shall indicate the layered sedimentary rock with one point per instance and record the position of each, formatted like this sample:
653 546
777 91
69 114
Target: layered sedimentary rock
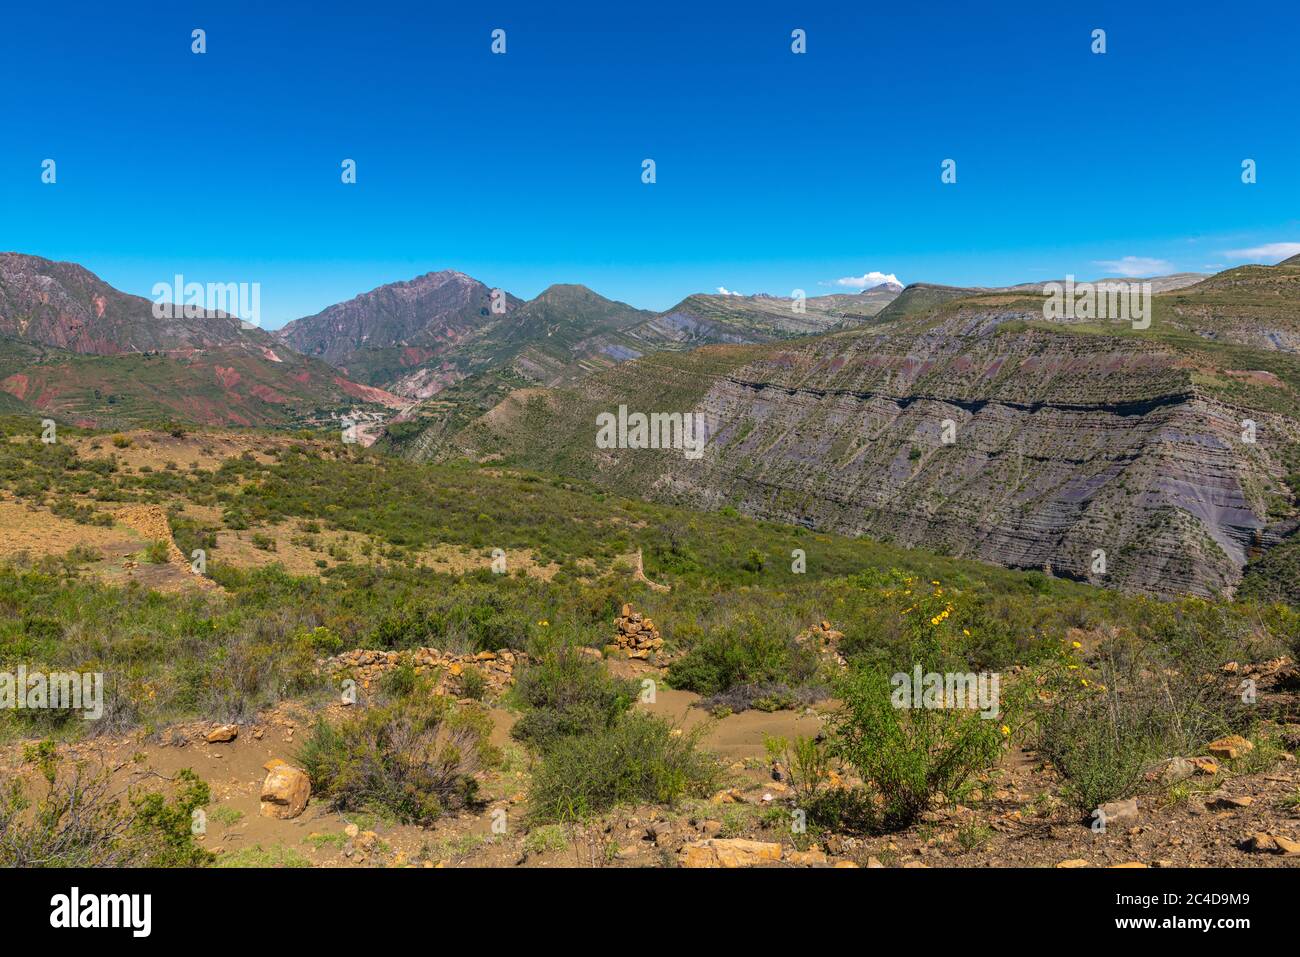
1098 457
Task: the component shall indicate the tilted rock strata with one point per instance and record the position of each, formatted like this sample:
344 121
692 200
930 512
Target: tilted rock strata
1064 446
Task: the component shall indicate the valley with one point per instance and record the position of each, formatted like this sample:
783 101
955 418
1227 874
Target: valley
370 591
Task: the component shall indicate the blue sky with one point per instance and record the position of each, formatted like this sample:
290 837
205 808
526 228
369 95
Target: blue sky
775 171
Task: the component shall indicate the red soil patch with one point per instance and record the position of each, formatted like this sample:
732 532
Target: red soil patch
267 394
369 393
228 378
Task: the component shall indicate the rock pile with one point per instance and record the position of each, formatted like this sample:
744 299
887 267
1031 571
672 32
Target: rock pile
150 521
367 667
825 640
636 634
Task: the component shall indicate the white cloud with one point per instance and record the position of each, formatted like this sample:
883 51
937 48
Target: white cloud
723 290
1136 266
868 281
1275 252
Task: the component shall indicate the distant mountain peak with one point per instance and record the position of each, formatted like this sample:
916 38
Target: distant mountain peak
886 285
379 334
568 290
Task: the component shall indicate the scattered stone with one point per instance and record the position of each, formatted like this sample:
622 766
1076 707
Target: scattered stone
1262 842
850 864
285 792
1075 862
352 830
871 862
809 858
1128 865
1207 766
223 733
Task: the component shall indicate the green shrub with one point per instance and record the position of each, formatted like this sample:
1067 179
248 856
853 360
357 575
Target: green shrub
638 759
163 825
401 681
807 766
906 755
1108 720
473 683
566 693
413 758
157 552
78 816
747 652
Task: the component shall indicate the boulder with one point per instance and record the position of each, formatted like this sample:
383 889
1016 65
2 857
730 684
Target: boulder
728 853
285 792
223 733
1230 748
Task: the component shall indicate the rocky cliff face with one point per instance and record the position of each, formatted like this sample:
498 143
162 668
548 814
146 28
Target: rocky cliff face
977 430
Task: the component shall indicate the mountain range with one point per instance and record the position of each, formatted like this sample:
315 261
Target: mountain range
1164 459
955 419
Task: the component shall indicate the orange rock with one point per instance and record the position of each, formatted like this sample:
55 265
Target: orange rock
223 734
285 792
1230 748
728 853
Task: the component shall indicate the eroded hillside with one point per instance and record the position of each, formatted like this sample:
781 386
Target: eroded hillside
1064 440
